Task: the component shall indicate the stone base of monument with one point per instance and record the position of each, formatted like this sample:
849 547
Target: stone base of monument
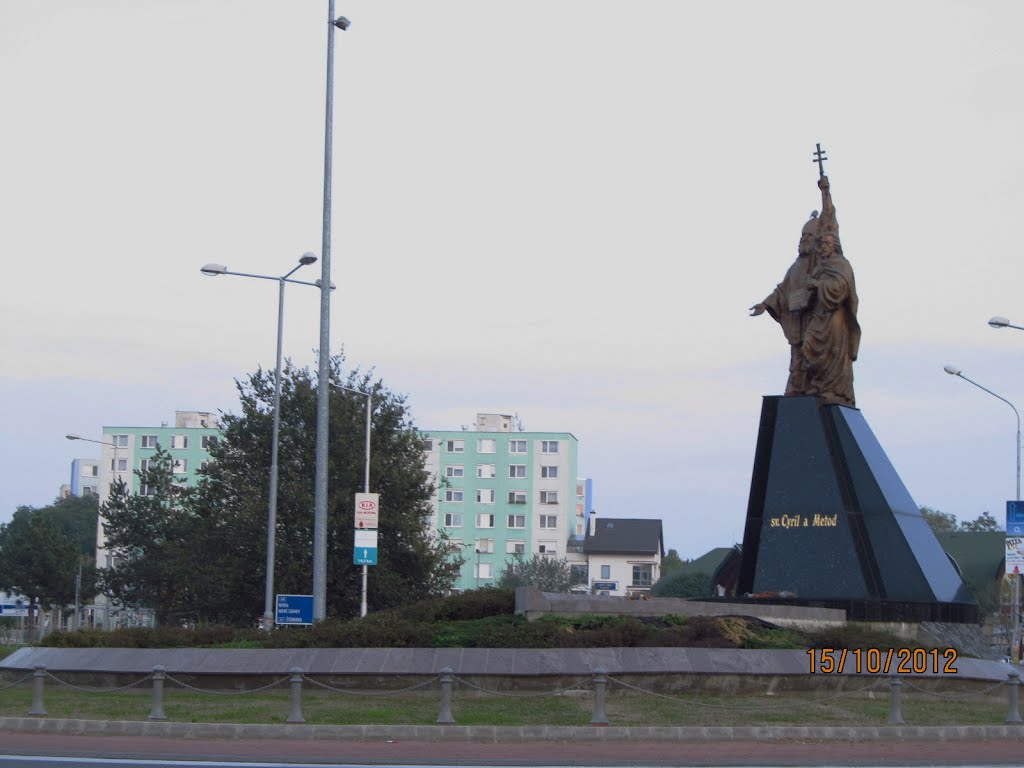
830 523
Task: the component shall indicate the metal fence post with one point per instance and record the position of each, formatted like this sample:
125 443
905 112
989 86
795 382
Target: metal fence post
295 713
156 710
1013 715
600 685
38 708
444 716
895 701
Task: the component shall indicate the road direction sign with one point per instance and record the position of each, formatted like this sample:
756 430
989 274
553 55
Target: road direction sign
367 509
365 551
294 609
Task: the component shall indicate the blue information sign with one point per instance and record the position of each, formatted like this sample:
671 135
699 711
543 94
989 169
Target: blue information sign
294 609
365 556
1015 518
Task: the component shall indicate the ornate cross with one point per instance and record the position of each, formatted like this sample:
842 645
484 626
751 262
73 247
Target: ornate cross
819 158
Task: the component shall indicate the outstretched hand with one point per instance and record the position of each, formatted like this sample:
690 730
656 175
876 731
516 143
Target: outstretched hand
823 183
756 310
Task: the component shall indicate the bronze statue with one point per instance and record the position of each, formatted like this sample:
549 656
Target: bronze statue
816 305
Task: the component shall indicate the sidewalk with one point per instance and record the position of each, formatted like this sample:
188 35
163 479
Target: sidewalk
490 745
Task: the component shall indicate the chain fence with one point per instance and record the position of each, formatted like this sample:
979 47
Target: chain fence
597 683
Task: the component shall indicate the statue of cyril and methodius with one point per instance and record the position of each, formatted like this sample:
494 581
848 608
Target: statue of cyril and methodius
816 305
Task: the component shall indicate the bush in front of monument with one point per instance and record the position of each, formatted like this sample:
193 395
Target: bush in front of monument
683 584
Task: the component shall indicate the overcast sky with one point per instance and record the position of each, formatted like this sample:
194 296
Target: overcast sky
557 209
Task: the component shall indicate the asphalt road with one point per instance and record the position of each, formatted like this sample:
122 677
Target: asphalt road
593 753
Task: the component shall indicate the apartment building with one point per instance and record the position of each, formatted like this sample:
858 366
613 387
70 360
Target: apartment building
502 492
85 479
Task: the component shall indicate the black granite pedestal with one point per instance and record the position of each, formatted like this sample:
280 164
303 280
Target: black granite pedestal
830 523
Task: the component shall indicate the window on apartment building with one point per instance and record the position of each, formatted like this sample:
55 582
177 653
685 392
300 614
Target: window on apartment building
547 548
179 466
517 446
515 547
485 496
453 495
94 470
517 497
487 446
204 465
179 442
578 574
549 497
579 529
642 575
207 442
482 570
606 571
484 546
119 441
454 470
453 519
517 471
119 465
485 471
455 446
426 445
548 521
517 521
149 441
147 490
484 520
549 472
549 446
88 490
145 464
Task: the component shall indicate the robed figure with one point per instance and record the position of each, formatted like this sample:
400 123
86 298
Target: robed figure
816 305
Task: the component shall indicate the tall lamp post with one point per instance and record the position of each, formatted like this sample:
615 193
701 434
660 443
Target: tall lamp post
323 396
952 370
115 475
213 270
366 475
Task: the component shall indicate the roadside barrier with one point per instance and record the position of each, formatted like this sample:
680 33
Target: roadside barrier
598 683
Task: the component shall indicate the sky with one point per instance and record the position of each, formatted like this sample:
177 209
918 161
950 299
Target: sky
561 210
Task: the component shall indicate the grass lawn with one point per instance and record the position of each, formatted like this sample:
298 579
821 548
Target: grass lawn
623 707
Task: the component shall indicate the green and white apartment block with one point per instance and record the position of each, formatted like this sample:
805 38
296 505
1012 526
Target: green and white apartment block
502 492
126 449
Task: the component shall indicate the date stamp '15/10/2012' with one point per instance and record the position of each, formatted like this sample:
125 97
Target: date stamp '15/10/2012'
901 661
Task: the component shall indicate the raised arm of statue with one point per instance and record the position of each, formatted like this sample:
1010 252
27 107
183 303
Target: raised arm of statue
828 210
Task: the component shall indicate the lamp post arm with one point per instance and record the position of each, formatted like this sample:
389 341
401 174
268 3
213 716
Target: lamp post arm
1015 413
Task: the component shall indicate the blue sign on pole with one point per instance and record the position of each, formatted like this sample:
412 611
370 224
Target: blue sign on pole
365 556
294 609
1015 518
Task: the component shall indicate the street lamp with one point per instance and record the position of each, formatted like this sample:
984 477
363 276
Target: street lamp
366 474
213 270
323 395
1002 322
952 370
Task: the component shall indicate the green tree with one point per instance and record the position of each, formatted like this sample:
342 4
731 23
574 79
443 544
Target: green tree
940 522
983 522
683 584
37 560
548 574
671 563
211 543
151 537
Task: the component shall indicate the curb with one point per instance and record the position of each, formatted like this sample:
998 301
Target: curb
508 734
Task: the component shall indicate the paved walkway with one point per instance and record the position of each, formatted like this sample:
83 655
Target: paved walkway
783 746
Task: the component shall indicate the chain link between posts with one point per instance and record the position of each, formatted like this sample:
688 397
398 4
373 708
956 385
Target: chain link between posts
244 692
764 704
956 696
17 682
578 685
349 692
90 689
